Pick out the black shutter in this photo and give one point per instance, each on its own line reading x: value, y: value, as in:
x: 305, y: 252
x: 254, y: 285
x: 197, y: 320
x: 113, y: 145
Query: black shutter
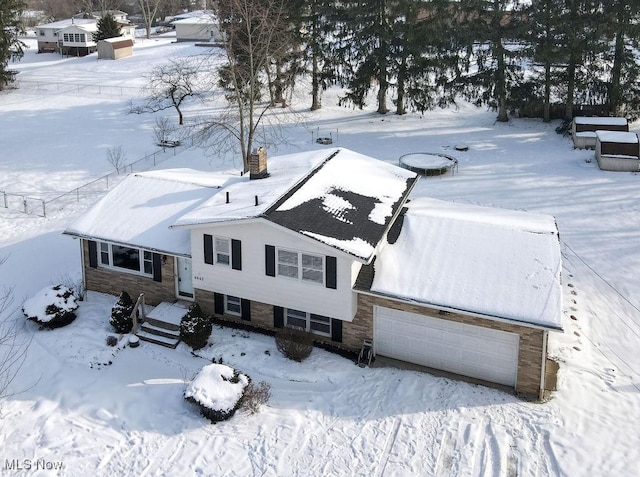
x: 336, y: 330
x: 236, y: 254
x: 93, y: 254
x: 332, y: 278
x: 270, y: 260
x: 245, y: 306
x: 157, y: 267
x: 278, y: 317
x: 208, y: 249
x: 218, y: 303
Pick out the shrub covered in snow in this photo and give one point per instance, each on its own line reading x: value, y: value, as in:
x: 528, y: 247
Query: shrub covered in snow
x: 294, y: 344
x: 121, y: 314
x: 51, y: 307
x: 195, y: 327
x: 217, y: 390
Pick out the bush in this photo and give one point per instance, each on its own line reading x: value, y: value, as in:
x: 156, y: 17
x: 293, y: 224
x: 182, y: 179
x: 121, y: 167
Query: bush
x: 294, y: 344
x: 255, y: 396
x: 121, y: 314
x: 112, y: 340
x: 195, y: 328
x: 218, y: 391
x: 51, y: 307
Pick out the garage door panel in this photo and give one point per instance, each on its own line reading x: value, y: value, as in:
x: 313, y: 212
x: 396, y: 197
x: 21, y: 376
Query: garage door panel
x: 455, y: 347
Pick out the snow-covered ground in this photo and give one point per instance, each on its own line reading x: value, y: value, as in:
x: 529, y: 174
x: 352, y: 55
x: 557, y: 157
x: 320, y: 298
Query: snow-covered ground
x: 120, y: 411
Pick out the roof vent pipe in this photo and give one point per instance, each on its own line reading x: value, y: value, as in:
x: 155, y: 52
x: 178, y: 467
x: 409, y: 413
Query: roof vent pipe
x: 227, y: 196
x: 256, y: 200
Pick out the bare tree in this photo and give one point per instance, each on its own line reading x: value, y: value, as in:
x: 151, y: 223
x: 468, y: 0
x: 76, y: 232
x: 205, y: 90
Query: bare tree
x: 163, y: 130
x: 117, y: 157
x: 257, y: 36
x: 171, y: 84
x: 13, y: 343
x: 149, y: 9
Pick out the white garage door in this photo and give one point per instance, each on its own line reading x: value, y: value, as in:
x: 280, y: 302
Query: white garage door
x: 458, y: 348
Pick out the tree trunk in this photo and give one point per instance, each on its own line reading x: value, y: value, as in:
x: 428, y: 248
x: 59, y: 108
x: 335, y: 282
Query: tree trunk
x: 547, y: 92
x: 501, y: 89
x: 382, y: 79
x: 315, y: 73
x: 615, y: 92
x: 402, y: 74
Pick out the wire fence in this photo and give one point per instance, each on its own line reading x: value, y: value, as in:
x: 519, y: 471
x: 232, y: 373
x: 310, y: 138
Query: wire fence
x: 94, y: 189
x: 45, y: 86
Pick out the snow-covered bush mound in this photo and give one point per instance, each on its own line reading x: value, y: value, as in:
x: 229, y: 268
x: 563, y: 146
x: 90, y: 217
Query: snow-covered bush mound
x: 121, y: 314
x: 51, y: 307
x: 195, y: 327
x: 217, y: 390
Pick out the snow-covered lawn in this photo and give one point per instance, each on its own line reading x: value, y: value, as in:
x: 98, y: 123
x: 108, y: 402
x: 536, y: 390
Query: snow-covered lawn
x: 326, y: 416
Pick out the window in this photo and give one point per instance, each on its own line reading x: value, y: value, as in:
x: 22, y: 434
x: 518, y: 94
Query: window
x: 127, y: 258
x: 41, y: 32
x: 310, y: 322
x: 223, y: 251
x: 287, y: 263
x: 232, y: 305
x: 301, y: 265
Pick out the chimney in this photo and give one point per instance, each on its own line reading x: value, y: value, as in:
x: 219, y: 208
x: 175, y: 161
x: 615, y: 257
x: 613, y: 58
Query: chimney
x: 258, y: 164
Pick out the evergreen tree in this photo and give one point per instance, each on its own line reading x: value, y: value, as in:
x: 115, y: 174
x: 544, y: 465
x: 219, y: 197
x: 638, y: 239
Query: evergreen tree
x: 490, y: 32
x: 11, y: 48
x: 107, y: 28
x: 365, y: 33
x: 621, y: 32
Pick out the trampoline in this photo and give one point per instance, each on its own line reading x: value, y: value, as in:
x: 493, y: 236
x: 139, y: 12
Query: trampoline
x: 429, y: 163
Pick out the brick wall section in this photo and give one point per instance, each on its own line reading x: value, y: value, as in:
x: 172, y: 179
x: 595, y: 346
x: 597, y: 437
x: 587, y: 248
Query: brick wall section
x: 531, y: 344
x: 113, y: 282
x: 531, y: 339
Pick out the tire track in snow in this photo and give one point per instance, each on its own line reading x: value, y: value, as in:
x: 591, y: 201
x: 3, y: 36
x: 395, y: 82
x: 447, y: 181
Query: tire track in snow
x: 384, y: 457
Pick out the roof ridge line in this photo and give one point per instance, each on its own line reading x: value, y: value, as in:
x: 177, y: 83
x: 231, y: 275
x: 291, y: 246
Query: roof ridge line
x: 296, y: 187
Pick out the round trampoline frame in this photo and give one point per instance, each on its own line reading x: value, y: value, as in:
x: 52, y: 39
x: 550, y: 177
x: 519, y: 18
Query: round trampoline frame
x: 434, y: 163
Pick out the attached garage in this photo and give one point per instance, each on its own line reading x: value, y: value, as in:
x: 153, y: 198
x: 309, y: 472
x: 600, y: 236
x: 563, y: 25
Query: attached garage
x: 468, y: 350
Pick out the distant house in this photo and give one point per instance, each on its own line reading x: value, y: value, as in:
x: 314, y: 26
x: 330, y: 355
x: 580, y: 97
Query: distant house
x: 328, y: 241
x: 115, y: 48
x: 74, y: 36
x: 197, y: 26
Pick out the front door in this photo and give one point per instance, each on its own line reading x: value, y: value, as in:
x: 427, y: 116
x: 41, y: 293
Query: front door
x: 185, y: 280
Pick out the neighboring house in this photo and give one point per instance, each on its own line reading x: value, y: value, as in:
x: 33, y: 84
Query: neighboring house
x: 202, y: 26
x: 74, y: 36
x: 115, y: 48
x: 329, y: 242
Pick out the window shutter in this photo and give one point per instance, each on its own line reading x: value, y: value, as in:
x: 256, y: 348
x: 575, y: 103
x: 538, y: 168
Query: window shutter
x: 245, y: 306
x: 157, y: 267
x: 336, y: 330
x: 278, y: 317
x: 218, y: 303
x: 270, y: 260
x: 93, y: 254
x: 331, y: 271
x: 236, y: 254
x: 208, y: 249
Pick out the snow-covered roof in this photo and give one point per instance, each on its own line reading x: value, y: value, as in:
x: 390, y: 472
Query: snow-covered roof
x: 68, y: 22
x: 140, y: 209
x: 341, y: 198
x: 481, y: 260
x: 617, y: 136
x: 600, y: 120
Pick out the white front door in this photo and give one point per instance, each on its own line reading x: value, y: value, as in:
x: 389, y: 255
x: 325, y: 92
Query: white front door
x: 185, y: 280
x: 483, y: 353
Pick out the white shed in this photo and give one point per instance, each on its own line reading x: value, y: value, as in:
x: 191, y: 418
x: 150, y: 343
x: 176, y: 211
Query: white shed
x: 198, y: 28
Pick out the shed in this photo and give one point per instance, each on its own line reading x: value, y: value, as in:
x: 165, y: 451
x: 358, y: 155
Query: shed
x: 617, y: 151
x: 115, y: 48
x: 198, y: 28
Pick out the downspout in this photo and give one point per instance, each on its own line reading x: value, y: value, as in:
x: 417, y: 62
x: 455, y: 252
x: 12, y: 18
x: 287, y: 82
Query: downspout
x: 82, y: 262
x: 545, y: 337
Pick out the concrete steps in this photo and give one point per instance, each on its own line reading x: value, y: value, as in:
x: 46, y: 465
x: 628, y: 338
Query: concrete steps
x: 162, y: 325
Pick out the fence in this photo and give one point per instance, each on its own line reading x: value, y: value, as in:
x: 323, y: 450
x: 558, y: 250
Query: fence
x: 36, y: 206
x: 76, y: 88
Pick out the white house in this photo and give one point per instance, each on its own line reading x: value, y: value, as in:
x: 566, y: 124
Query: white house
x: 329, y: 241
x: 198, y: 26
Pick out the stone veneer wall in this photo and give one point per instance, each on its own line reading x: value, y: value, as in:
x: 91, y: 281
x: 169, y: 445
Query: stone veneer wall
x: 531, y: 346
x: 106, y: 280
